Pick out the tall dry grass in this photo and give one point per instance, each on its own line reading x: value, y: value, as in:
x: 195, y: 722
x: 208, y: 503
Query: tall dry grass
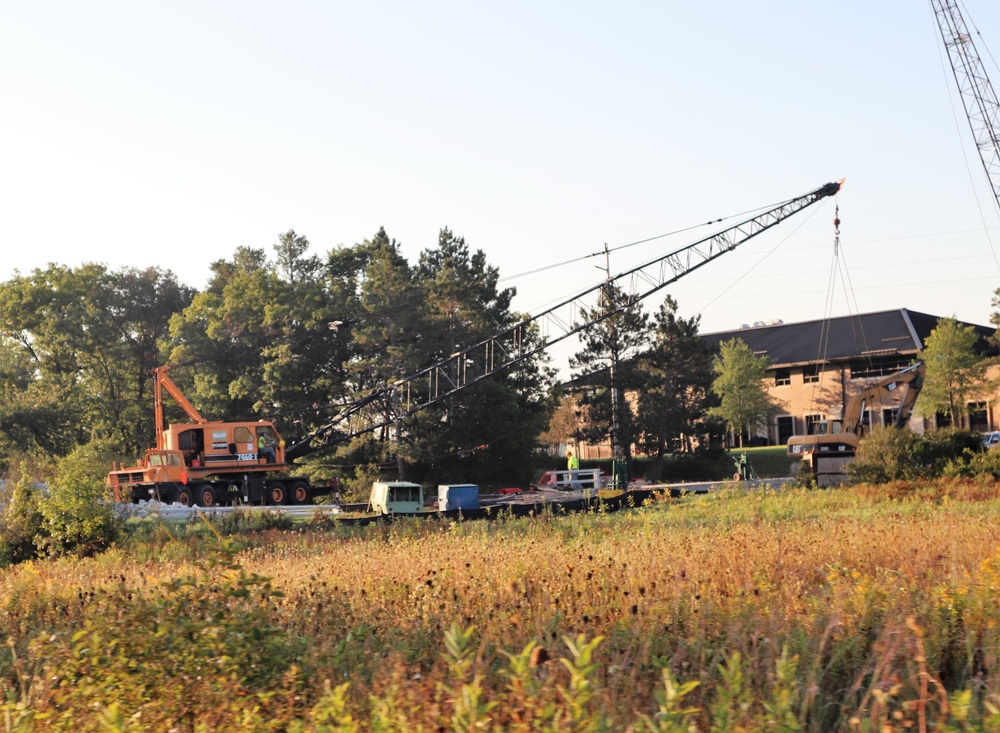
x: 856, y: 609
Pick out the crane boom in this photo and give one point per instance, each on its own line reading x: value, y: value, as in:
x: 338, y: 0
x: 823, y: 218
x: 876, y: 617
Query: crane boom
x: 162, y: 382
x: 435, y: 383
x: 978, y: 98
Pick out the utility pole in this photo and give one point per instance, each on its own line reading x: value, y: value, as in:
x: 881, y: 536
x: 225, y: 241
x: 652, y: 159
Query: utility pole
x: 619, y: 471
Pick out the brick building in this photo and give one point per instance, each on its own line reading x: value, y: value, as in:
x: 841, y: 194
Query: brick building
x: 819, y: 365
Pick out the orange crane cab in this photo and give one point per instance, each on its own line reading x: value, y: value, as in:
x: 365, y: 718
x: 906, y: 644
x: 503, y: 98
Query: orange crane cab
x: 209, y: 463
x: 210, y: 447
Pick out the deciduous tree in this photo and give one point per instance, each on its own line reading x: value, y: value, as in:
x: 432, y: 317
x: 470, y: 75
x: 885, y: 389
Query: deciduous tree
x: 745, y: 403
x: 90, y: 338
x: 258, y: 338
x: 955, y: 370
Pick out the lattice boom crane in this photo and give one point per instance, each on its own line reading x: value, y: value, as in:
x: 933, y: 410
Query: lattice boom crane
x: 978, y: 98
x: 389, y: 404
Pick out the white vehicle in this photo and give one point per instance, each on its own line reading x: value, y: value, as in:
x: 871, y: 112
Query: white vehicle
x: 991, y: 440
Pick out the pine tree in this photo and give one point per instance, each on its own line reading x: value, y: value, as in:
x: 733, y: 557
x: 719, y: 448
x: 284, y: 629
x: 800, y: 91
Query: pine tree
x: 607, y: 370
x: 677, y: 391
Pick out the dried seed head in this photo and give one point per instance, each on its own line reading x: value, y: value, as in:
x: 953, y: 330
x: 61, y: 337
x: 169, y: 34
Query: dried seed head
x: 539, y: 655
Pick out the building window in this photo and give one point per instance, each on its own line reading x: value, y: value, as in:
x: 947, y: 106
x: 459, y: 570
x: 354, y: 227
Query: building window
x: 878, y: 366
x: 810, y: 373
x: 782, y: 377
x: 785, y: 425
x: 813, y: 424
x: 889, y: 415
x: 978, y: 418
x: 942, y: 420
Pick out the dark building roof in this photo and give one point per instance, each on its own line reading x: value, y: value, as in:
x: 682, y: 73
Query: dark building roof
x: 868, y: 335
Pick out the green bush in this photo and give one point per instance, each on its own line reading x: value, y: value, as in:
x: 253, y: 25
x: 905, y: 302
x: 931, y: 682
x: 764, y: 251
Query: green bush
x: 894, y: 454
x: 22, y: 523
x: 887, y: 454
x: 943, y: 446
x: 984, y: 465
x: 78, y: 514
x: 200, y: 647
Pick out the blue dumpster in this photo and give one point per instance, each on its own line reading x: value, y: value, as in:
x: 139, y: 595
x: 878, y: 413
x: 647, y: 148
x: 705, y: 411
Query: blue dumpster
x: 458, y: 496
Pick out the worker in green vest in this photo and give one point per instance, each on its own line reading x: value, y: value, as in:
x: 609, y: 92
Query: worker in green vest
x: 265, y: 449
x: 572, y: 462
x: 572, y: 465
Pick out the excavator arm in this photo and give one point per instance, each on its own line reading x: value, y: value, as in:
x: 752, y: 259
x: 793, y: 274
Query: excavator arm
x: 910, y: 379
x: 825, y: 456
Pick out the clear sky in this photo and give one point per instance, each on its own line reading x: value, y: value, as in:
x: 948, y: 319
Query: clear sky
x: 169, y: 134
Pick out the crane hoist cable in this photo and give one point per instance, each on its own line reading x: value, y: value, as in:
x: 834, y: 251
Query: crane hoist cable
x: 838, y: 270
x: 838, y: 273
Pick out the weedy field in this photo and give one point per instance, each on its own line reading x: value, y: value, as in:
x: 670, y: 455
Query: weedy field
x: 867, y: 608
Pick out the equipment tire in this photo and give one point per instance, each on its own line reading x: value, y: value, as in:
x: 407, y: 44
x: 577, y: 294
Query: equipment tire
x: 298, y: 493
x: 206, y: 496
x: 277, y: 494
x: 185, y: 496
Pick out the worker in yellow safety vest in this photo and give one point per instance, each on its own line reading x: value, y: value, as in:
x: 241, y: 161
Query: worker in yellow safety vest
x: 572, y: 462
x: 264, y: 449
x: 572, y: 465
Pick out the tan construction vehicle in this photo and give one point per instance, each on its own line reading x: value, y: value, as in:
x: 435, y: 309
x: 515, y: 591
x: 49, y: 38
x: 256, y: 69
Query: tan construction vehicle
x: 832, y: 444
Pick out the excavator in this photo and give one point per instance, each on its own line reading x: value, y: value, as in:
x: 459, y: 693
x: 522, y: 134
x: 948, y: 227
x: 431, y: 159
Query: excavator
x: 832, y: 444
x: 209, y: 463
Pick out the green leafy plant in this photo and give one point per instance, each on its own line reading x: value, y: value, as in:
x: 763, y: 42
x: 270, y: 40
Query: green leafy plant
x: 471, y: 710
x: 731, y: 704
x: 580, y: 690
x: 673, y: 716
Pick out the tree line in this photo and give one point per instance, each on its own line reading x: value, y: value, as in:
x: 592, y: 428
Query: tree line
x: 292, y: 335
